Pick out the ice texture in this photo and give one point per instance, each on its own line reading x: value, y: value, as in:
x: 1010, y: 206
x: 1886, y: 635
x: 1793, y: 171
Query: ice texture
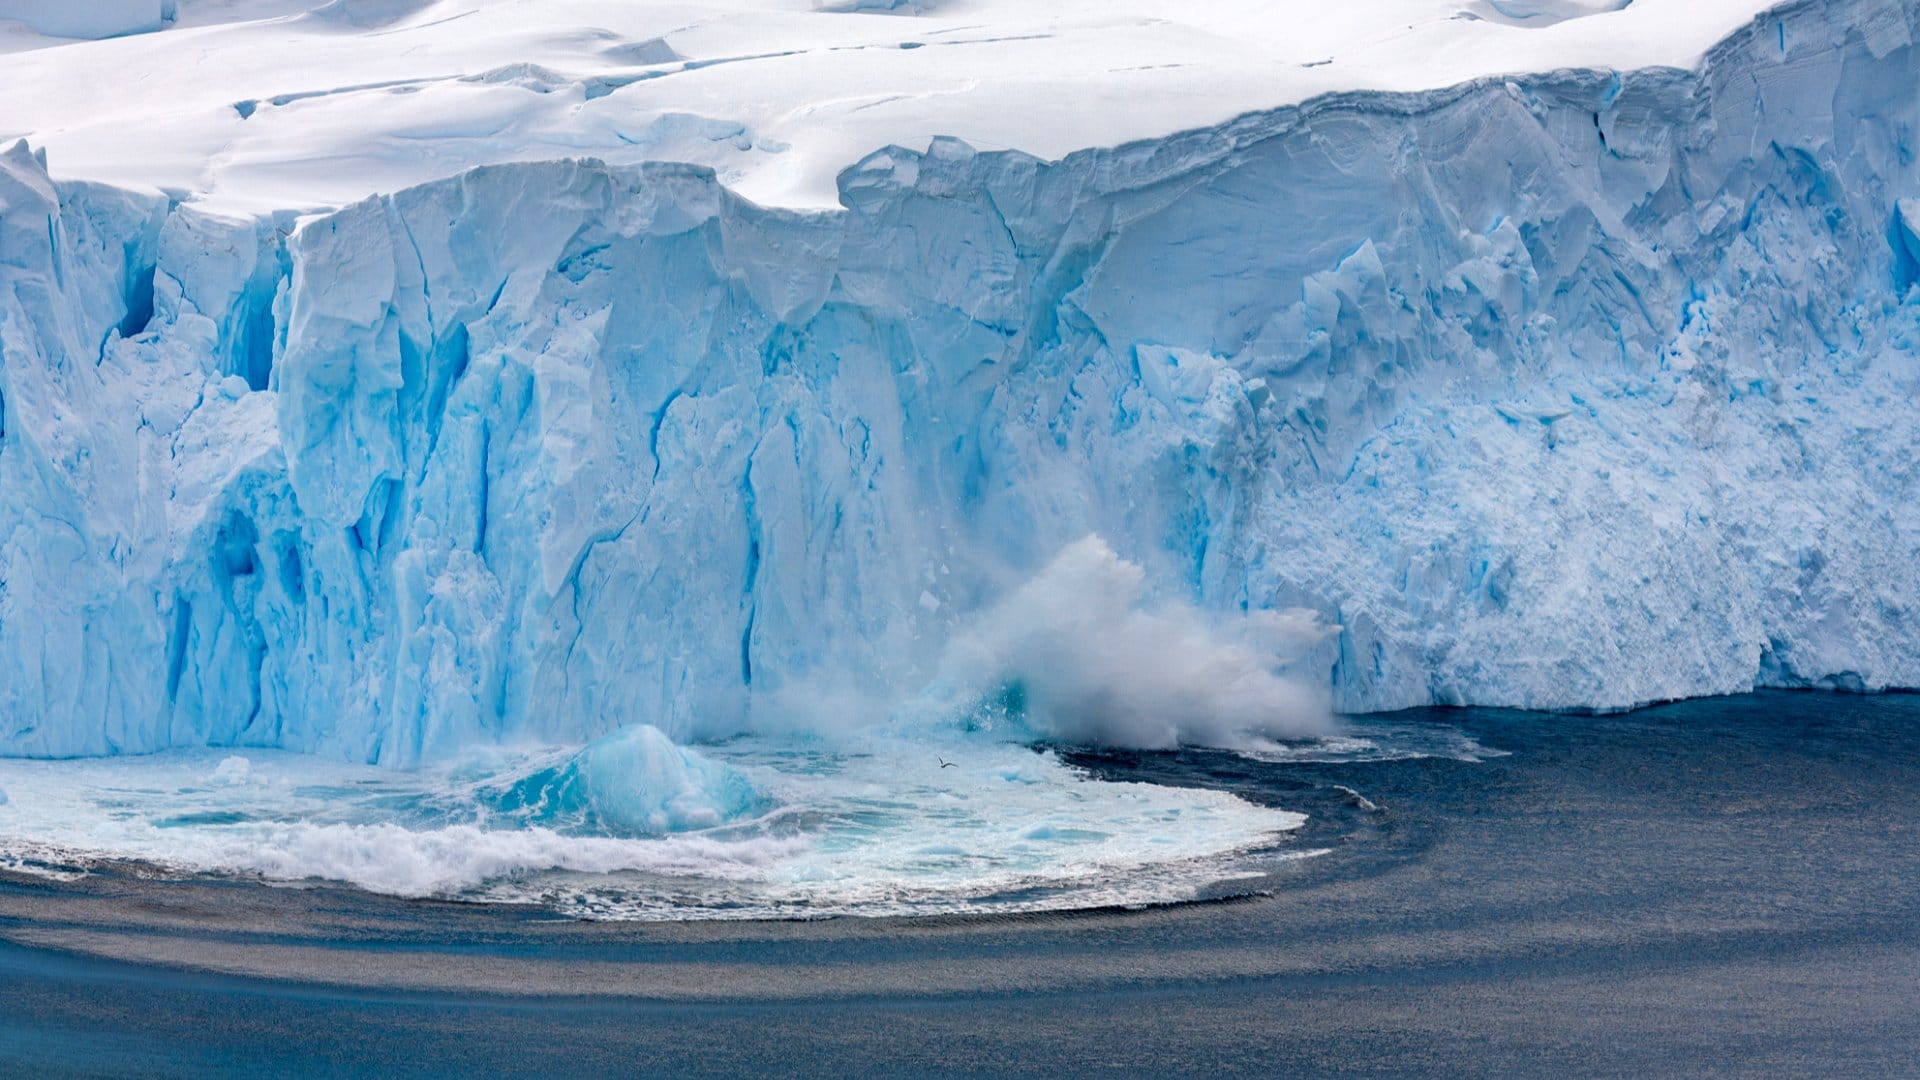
x: 1537, y: 13
x: 634, y: 782
x: 88, y: 18
x: 1575, y: 390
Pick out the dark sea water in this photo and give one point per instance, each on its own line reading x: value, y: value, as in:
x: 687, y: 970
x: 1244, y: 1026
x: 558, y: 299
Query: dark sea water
x: 1720, y: 887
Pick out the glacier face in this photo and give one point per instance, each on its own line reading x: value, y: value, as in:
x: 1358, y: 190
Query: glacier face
x: 1578, y: 390
x: 93, y: 19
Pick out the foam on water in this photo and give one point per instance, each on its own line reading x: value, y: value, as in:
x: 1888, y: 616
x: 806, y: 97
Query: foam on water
x: 880, y: 826
x: 1372, y: 739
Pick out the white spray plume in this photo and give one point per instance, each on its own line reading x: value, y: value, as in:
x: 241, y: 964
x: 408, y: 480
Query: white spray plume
x: 1095, y: 663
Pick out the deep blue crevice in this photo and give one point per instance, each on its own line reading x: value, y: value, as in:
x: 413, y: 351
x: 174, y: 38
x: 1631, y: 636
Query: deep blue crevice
x: 177, y: 645
x: 393, y: 515
x: 653, y: 430
x: 752, y: 576
x: 480, y: 498
x: 293, y: 579
x: 233, y: 546
x: 53, y: 246
x: 257, y: 333
x: 139, y: 302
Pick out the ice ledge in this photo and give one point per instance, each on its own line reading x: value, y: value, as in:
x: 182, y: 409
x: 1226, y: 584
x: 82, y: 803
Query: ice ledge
x: 88, y: 19
x: 267, y: 105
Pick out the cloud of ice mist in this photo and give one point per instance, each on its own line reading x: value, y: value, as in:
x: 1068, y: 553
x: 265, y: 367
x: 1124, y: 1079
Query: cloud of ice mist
x: 1081, y: 651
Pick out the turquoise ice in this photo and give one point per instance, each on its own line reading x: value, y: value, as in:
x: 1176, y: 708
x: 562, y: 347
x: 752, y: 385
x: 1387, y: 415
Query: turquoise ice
x: 1572, y: 390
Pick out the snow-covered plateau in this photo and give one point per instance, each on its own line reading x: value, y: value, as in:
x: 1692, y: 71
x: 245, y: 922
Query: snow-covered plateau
x: 885, y: 359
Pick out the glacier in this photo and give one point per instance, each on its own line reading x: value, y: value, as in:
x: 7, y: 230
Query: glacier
x: 1574, y: 390
x: 94, y: 19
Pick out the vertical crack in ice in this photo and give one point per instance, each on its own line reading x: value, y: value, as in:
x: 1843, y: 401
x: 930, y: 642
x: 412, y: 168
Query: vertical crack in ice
x: 750, y: 578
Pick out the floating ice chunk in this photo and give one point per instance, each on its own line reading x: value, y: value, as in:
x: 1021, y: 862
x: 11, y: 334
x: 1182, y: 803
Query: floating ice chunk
x: 634, y: 782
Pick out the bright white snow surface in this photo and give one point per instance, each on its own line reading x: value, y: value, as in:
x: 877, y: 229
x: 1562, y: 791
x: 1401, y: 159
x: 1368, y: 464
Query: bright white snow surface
x: 294, y: 104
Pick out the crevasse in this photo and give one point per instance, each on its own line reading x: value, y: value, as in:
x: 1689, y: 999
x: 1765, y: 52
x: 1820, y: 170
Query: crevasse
x: 1567, y: 391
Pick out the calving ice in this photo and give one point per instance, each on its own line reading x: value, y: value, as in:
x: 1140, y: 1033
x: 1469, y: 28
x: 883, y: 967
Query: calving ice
x: 572, y: 412
x: 544, y: 535
x: 545, y: 450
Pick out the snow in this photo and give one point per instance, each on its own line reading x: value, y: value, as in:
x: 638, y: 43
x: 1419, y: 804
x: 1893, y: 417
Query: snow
x: 262, y: 105
x: 1574, y: 390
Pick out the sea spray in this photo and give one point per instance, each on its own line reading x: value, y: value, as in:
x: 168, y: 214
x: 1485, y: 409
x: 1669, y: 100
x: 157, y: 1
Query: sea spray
x: 1081, y: 653
x: 634, y: 782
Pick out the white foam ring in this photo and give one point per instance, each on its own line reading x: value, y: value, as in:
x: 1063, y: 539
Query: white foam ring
x: 883, y: 828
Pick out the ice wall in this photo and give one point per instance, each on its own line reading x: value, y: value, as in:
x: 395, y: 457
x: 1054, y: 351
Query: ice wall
x: 88, y: 18
x: 1578, y: 390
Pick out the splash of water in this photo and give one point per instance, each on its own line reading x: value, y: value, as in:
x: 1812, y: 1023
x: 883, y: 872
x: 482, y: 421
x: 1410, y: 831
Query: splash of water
x: 893, y: 825
x: 866, y: 807
x: 1081, y: 654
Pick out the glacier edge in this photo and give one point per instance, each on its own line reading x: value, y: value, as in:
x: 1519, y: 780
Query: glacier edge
x: 1577, y: 390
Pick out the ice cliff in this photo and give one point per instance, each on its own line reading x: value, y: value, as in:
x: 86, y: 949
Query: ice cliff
x: 1570, y: 390
x: 88, y: 18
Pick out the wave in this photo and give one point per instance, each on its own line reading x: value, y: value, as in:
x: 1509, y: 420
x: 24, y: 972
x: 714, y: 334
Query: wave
x: 875, y: 825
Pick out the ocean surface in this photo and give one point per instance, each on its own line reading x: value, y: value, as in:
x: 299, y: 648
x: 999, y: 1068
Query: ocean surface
x: 1727, y: 886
